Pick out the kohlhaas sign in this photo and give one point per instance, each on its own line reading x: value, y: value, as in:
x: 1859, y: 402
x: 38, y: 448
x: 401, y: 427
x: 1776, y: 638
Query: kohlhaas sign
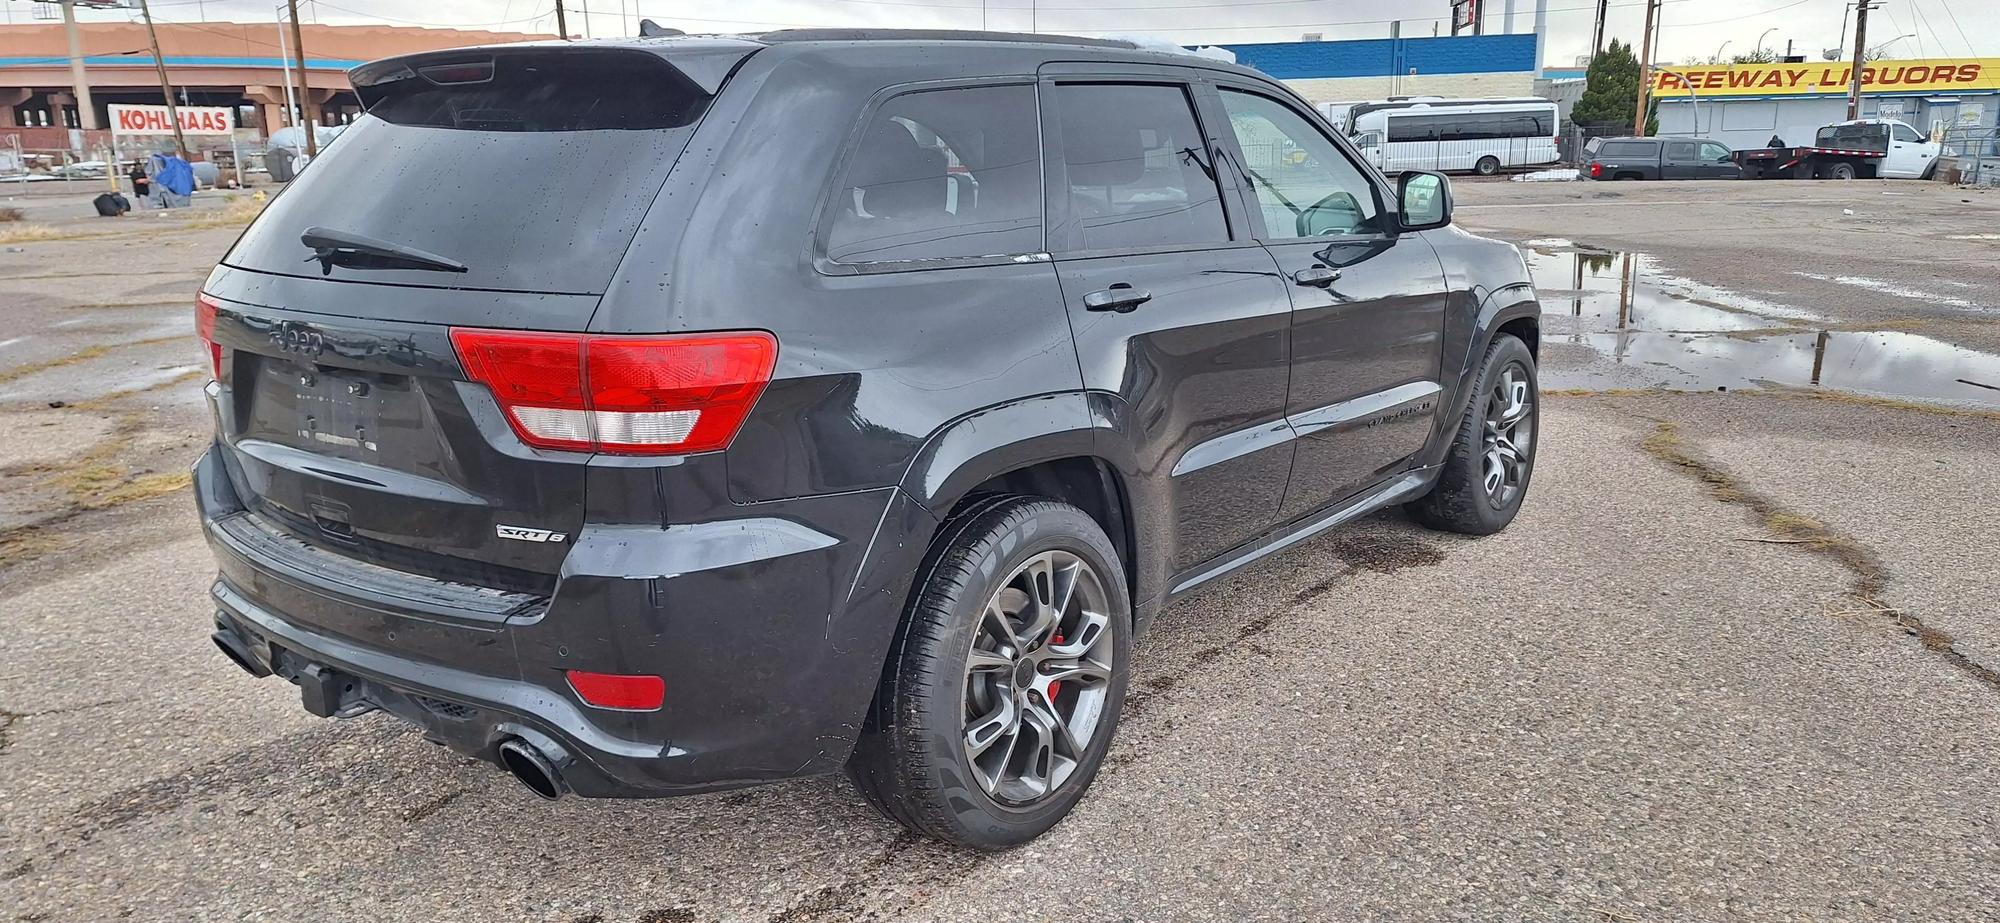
x: 1924, y: 75
x: 154, y: 120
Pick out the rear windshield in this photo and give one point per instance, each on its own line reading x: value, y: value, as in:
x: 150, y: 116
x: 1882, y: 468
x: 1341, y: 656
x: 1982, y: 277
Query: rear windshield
x: 1627, y: 149
x: 1854, y: 136
x: 531, y: 168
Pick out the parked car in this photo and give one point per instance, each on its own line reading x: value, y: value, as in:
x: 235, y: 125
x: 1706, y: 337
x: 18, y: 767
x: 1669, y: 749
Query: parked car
x: 1660, y: 158
x: 750, y: 442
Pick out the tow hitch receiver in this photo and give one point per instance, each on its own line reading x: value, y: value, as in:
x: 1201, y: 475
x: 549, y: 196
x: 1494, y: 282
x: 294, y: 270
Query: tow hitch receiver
x: 328, y: 693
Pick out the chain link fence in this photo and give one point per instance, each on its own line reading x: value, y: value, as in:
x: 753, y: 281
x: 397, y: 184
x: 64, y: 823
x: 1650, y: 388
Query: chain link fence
x: 1971, y: 156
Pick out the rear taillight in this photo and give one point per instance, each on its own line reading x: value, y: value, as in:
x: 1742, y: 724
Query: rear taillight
x: 624, y: 395
x: 1596, y: 170
x: 204, y: 327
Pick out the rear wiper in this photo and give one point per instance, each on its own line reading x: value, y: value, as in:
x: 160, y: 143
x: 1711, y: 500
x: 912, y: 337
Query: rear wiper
x: 349, y: 249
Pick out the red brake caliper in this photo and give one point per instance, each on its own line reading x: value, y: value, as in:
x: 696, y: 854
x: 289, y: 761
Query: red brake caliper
x: 1055, y: 687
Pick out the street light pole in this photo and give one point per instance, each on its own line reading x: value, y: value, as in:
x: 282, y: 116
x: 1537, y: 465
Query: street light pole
x: 1718, y: 50
x: 1860, y: 58
x: 1645, y: 69
x: 86, y: 112
x: 305, y: 99
x: 1760, y: 40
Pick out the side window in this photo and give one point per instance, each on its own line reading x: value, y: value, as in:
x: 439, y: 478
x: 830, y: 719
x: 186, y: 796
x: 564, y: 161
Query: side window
x: 943, y: 174
x: 1139, y: 168
x: 1714, y: 152
x: 1680, y: 150
x: 1412, y: 128
x: 1906, y: 133
x: 1305, y: 186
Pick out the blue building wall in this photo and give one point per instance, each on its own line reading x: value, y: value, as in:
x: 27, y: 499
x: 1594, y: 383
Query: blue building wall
x: 1463, y: 54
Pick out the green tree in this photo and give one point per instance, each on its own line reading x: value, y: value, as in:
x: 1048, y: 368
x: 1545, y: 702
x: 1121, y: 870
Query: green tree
x: 1611, y: 88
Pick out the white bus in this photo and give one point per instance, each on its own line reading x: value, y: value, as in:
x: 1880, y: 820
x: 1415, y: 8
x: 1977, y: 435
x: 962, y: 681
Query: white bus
x: 1484, y: 136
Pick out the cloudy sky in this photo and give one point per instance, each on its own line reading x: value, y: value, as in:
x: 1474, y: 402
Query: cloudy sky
x: 1693, y: 28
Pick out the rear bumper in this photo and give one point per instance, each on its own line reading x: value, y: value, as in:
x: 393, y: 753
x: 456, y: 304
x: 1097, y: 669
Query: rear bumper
x: 769, y: 633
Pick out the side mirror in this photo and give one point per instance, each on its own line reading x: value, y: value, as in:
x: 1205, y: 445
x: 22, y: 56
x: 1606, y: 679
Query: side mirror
x: 1424, y: 200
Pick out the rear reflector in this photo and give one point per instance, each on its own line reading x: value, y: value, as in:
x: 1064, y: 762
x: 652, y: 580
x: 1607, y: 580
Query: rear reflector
x: 204, y: 327
x: 619, y: 691
x: 623, y: 395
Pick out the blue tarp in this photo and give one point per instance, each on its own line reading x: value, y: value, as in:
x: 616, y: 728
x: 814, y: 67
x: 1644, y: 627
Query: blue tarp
x: 173, y: 174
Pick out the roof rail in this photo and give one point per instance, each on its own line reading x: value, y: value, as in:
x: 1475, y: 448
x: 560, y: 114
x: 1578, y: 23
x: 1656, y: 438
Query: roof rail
x: 934, y: 35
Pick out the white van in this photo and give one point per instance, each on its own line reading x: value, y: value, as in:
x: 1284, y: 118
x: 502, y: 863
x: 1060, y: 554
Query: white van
x: 1483, y: 136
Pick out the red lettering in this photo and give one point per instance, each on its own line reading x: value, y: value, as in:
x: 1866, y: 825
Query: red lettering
x: 1742, y: 79
x: 1884, y: 78
x: 1945, y: 73
x: 1711, y: 80
x: 1867, y: 76
x: 1918, y: 74
x: 1968, y: 73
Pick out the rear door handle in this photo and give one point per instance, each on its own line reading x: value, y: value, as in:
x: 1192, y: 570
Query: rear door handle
x: 1120, y: 297
x: 1316, y: 276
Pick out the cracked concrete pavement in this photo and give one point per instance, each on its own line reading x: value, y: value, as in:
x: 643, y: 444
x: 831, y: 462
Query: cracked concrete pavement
x: 1648, y: 700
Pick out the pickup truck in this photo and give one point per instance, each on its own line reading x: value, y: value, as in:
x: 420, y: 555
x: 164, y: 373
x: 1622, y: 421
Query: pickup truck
x: 1660, y: 158
x: 1858, y: 149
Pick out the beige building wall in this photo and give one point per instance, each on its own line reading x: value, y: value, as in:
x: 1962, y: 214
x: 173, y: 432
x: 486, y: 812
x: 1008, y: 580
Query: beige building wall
x: 1354, y: 89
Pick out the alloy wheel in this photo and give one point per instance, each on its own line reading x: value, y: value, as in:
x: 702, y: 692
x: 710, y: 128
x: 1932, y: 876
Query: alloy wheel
x: 1509, y: 435
x: 1037, y: 678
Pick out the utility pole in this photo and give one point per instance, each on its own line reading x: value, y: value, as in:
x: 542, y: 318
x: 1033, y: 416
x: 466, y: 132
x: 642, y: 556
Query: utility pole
x: 166, y: 89
x: 86, y: 113
x: 1860, y: 58
x: 1645, y: 69
x: 1597, y: 32
x: 562, y: 25
x: 305, y: 100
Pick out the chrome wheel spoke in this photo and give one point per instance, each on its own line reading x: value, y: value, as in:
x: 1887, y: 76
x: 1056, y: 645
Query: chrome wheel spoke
x: 988, y: 662
x: 1038, y: 677
x: 996, y: 725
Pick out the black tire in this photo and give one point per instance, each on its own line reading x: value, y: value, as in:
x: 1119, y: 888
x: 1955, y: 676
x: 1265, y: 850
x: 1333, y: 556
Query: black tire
x: 1840, y: 171
x: 911, y: 761
x: 1460, y: 500
x: 1487, y: 166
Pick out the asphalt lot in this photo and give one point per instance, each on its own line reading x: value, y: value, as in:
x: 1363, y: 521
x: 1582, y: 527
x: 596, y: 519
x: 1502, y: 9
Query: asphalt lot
x: 1734, y: 661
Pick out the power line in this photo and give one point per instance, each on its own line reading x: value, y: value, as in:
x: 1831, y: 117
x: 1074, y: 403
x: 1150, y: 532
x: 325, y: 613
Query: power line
x: 1961, y: 29
x: 1676, y: 25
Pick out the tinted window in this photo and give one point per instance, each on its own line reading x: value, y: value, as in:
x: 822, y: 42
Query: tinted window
x: 535, y: 178
x: 1627, y: 149
x: 1713, y: 151
x: 1304, y: 185
x: 943, y: 174
x: 1680, y: 150
x: 1412, y: 128
x: 1905, y: 133
x: 1139, y: 169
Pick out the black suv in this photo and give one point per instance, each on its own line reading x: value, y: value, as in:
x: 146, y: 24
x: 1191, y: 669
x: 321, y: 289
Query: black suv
x: 668, y: 415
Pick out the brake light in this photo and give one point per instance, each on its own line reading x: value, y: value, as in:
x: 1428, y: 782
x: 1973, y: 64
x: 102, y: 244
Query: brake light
x: 1596, y: 170
x: 619, y: 691
x: 204, y: 327
x: 623, y: 395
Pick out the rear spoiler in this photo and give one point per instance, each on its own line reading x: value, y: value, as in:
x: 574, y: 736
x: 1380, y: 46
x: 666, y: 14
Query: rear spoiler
x: 704, y: 62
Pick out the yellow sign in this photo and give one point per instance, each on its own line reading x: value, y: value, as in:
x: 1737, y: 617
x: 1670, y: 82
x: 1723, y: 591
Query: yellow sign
x: 1925, y: 75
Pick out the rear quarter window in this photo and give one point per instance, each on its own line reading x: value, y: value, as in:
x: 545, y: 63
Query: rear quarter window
x: 1627, y: 149
x: 942, y: 174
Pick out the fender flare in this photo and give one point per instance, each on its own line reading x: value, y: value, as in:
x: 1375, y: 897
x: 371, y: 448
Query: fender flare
x: 1509, y: 302
x: 994, y: 440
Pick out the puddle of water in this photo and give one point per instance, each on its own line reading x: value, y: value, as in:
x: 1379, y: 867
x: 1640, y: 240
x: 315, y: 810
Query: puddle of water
x: 1619, y: 320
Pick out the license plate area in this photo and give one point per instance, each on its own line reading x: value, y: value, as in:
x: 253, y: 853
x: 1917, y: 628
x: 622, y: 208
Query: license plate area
x: 329, y: 410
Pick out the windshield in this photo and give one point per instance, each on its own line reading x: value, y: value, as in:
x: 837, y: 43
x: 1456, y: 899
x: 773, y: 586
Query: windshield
x: 532, y: 169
